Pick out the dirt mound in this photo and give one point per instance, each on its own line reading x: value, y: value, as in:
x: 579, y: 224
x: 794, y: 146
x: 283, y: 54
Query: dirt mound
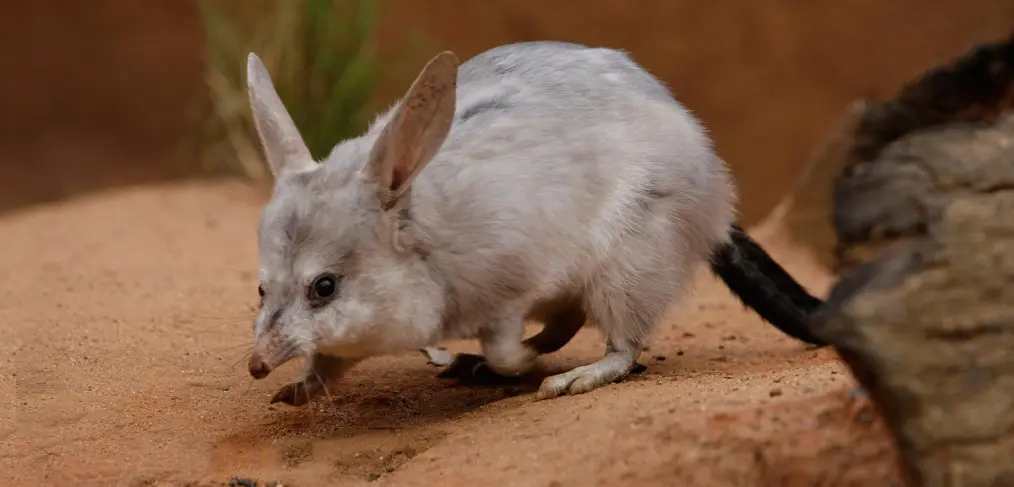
x: 130, y: 317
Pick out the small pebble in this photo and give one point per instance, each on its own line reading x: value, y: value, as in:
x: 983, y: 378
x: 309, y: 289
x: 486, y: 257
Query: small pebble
x: 775, y: 392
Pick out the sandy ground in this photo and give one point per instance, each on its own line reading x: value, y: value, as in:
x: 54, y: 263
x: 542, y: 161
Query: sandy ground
x: 126, y: 317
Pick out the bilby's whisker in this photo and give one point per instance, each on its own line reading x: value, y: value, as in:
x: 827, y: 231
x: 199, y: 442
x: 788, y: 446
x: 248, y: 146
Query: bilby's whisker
x: 323, y: 386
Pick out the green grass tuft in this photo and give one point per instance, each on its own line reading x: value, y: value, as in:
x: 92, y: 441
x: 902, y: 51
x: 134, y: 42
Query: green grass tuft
x: 322, y: 60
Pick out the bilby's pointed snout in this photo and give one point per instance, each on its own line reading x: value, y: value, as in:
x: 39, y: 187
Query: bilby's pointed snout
x: 258, y: 368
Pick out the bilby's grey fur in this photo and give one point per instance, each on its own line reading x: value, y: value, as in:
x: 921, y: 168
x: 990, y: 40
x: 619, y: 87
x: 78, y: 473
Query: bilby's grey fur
x: 562, y: 182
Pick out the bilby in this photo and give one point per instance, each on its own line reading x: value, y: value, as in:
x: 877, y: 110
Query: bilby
x: 543, y: 181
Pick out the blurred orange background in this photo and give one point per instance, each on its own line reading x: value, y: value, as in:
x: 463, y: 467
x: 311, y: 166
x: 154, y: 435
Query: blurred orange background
x: 95, y: 93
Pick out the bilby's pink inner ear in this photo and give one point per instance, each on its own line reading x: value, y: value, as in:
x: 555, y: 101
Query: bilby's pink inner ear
x: 417, y: 129
x: 283, y: 146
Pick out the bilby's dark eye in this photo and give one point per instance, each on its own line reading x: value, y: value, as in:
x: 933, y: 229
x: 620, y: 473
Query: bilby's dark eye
x: 260, y: 291
x: 324, y: 287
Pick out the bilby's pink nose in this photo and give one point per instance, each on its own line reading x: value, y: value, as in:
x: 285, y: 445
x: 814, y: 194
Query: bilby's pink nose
x: 258, y: 369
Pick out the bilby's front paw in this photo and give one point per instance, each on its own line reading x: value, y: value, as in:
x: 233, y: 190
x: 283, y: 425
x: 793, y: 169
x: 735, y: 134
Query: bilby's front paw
x: 298, y: 393
x: 321, y: 371
x: 292, y: 394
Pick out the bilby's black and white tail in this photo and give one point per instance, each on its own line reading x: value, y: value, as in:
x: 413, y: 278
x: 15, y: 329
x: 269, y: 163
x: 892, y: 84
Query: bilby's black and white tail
x: 763, y: 285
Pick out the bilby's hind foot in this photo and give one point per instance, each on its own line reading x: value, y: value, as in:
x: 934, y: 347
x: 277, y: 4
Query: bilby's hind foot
x: 616, y: 365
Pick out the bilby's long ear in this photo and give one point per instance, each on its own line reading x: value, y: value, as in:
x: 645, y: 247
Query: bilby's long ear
x: 416, y: 130
x: 284, y: 148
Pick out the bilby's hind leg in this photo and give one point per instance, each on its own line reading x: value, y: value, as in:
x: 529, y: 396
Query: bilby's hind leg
x: 506, y: 355
x: 560, y: 327
x: 626, y: 309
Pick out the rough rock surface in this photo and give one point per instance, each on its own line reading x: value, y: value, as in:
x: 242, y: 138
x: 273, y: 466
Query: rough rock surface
x: 924, y: 311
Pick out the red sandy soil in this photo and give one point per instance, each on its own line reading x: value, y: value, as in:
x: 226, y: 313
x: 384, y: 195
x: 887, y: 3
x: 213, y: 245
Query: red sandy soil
x: 127, y: 314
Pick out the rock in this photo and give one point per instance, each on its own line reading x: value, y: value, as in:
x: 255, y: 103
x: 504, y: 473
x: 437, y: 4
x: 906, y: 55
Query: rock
x: 923, y: 313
